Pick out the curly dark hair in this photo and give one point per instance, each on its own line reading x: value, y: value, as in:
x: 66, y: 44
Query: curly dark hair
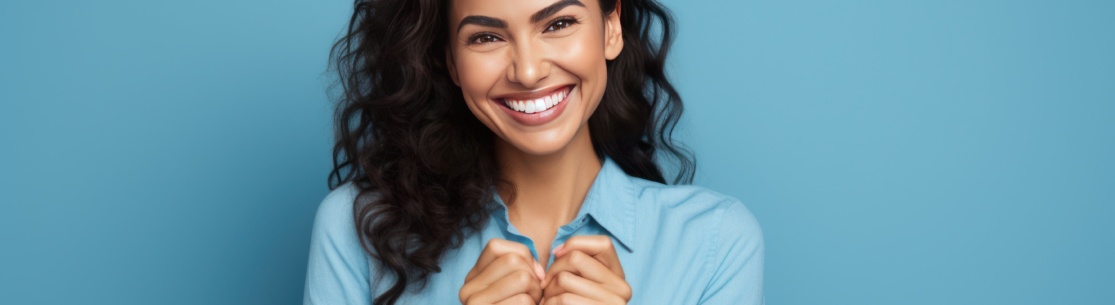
x: 425, y: 166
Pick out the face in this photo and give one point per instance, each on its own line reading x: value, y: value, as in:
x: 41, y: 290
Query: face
x: 533, y: 71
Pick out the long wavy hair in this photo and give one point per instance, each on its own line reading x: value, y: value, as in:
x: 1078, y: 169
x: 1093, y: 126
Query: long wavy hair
x: 425, y: 166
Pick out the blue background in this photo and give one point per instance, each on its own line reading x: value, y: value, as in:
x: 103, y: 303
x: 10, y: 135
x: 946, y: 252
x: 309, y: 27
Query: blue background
x: 895, y: 152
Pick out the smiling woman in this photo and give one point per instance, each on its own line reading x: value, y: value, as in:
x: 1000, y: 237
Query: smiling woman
x: 507, y: 152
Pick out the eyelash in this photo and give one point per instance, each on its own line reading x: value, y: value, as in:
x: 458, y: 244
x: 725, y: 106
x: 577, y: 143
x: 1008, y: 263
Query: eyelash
x: 567, y: 21
x: 475, y: 39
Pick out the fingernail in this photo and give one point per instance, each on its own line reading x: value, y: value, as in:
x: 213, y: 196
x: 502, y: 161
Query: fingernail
x: 538, y: 271
x: 557, y: 250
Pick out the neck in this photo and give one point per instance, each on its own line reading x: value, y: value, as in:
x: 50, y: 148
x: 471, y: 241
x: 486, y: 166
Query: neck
x: 549, y: 189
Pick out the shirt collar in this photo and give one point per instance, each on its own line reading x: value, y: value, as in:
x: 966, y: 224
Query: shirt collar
x: 610, y: 202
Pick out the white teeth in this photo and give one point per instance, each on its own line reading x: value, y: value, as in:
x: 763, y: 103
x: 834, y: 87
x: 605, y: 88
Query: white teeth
x: 530, y: 107
x: 536, y: 105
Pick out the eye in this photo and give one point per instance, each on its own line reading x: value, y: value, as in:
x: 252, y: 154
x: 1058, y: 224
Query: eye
x: 561, y: 23
x: 483, y: 38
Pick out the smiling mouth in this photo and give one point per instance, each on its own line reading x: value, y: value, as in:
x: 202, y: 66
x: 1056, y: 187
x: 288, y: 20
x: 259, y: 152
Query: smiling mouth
x: 538, y: 104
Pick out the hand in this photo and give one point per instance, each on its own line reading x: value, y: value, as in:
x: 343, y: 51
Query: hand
x: 586, y: 270
x: 505, y: 273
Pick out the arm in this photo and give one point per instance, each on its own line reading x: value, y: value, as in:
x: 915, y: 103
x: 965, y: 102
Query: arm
x: 337, y: 272
x: 738, y: 274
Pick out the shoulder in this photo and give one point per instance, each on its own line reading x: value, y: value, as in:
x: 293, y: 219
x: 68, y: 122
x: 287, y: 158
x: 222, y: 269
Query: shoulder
x: 336, y: 208
x: 338, y: 271
x: 726, y: 217
x: 728, y: 235
x: 693, y: 198
x: 334, y: 222
x: 338, y: 203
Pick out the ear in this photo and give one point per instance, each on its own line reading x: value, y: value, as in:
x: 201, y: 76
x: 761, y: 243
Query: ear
x: 452, y: 65
x: 613, y: 33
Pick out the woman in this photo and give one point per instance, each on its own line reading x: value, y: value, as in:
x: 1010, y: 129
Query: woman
x: 503, y: 152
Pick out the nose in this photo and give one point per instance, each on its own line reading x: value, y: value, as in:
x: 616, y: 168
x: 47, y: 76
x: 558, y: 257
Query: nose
x: 529, y: 65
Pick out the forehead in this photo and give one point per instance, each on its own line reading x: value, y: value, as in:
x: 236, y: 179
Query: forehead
x: 509, y: 10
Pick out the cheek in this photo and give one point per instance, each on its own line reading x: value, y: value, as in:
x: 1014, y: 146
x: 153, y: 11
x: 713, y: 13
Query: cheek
x: 584, y: 58
x: 580, y: 53
x: 478, y: 73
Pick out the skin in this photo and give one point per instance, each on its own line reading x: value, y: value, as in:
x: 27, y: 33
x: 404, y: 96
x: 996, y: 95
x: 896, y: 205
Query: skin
x: 551, y: 165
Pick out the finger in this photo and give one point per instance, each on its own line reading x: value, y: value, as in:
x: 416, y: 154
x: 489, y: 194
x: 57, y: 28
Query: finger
x: 568, y: 283
x: 582, y: 265
x: 515, y: 283
x: 568, y: 299
x: 499, y: 268
x: 518, y: 299
x: 495, y: 248
x: 589, y: 268
x: 597, y: 246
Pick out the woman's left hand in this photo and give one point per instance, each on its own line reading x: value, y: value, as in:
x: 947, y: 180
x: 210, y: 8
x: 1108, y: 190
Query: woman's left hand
x: 586, y: 270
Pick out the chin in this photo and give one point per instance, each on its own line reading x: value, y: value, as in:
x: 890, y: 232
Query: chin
x: 542, y: 142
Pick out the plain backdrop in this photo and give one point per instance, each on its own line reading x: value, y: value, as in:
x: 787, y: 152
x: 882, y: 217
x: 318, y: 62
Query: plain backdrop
x: 895, y: 152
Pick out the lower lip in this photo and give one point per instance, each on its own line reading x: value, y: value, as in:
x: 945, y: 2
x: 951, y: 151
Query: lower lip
x: 538, y: 118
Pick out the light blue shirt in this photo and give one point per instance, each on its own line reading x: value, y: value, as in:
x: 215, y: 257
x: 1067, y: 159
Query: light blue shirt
x: 676, y: 244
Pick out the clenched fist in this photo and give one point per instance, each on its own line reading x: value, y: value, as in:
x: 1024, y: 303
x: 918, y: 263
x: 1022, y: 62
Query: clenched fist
x: 586, y: 270
x: 505, y: 273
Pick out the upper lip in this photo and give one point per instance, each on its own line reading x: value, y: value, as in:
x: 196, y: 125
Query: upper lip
x: 539, y: 93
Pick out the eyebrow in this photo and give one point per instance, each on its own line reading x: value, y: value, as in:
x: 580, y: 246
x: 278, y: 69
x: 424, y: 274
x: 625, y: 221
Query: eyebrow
x: 482, y: 21
x: 553, y: 9
x: 535, y: 18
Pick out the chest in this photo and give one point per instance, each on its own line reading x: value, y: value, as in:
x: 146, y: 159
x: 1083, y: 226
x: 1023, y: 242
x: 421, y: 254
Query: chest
x: 543, y: 243
x: 660, y: 271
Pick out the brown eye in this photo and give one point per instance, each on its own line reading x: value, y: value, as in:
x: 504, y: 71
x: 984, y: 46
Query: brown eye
x: 483, y: 39
x: 560, y: 24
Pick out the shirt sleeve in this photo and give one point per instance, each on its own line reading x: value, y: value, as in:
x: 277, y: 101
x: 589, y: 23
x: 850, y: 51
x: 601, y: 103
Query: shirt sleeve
x: 738, y: 275
x: 337, y: 272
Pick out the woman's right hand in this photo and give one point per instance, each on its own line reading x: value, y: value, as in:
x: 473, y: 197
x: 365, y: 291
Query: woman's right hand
x: 505, y: 273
